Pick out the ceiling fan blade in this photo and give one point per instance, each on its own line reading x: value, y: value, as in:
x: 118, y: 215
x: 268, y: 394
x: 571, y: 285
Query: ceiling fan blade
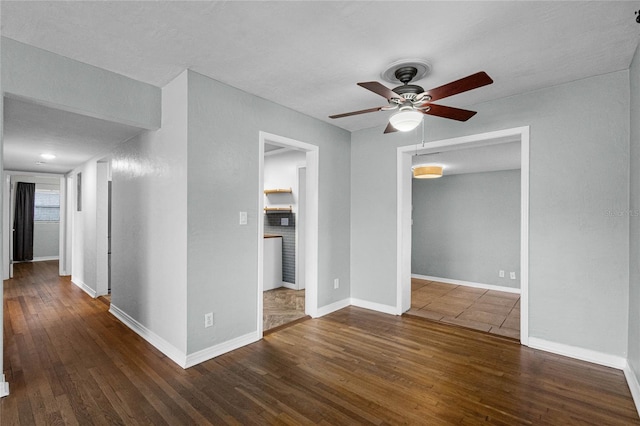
x: 473, y: 81
x: 449, y: 112
x: 380, y: 89
x: 362, y: 111
x: 390, y: 129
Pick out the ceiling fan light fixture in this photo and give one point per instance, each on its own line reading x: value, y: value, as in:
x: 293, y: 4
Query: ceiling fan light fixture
x: 427, y: 172
x: 406, y: 120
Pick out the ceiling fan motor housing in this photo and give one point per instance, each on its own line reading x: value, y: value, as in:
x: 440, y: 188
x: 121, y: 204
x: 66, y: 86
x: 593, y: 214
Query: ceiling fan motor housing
x: 405, y: 74
x: 408, y: 91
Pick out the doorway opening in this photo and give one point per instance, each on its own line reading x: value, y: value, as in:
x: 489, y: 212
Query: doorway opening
x: 287, y: 230
x: 405, y: 205
x: 48, y: 230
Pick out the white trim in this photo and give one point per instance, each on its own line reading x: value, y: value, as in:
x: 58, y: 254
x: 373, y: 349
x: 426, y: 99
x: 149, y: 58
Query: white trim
x: 173, y: 353
x: 4, y: 387
x: 378, y: 307
x: 403, y: 228
x: 289, y: 285
x: 582, y: 354
x: 91, y: 292
x: 467, y: 283
x: 44, y: 258
x: 404, y: 211
x: 524, y: 234
x: 217, y: 350
x: 335, y: 306
x: 634, y: 386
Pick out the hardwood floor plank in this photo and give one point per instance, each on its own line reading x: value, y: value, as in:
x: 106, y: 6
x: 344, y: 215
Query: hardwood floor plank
x: 70, y: 362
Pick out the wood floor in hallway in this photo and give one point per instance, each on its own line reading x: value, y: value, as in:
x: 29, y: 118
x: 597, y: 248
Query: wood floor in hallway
x: 68, y: 361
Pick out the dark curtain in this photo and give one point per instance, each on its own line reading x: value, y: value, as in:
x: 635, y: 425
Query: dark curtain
x: 23, y: 222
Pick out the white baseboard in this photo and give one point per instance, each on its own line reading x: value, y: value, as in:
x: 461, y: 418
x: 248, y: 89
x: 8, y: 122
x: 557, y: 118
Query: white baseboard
x: 173, y: 353
x: 379, y: 307
x: 582, y: 354
x: 217, y: 350
x: 45, y: 258
x: 289, y: 285
x: 335, y: 306
x: 634, y: 386
x: 91, y: 292
x: 467, y: 283
x: 4, y: 387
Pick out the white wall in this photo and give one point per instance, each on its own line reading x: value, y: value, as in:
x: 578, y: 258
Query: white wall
x: 579, y: 259
x: 83, y: 244
x: 281, y: 172
x: 149, y: 226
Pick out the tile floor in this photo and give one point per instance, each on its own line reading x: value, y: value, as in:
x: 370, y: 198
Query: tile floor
x: 491, y: 311
x: 281, y: 306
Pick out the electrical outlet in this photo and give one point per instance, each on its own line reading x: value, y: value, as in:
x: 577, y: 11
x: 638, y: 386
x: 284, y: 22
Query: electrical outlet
x: 501, y: 273
x: 512, y: 275
x: 208, y: 320
x: 243, y: 218
x: 284, y: 221
x: 336, y: 283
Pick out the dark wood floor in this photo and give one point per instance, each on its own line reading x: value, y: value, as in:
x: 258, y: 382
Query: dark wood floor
x: 68, y: 361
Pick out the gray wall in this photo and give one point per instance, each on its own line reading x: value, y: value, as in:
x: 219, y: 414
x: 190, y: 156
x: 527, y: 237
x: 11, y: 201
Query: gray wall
x: 224, y: 125
x: 579, y: 259
x: 50, y: 79
x: 46, y: 239
x: 634, y: 220
x: 149, y: 223
x: 467, y: 227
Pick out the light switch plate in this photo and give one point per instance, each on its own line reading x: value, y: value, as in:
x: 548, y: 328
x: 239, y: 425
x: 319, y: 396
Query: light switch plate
x: 243, y: 218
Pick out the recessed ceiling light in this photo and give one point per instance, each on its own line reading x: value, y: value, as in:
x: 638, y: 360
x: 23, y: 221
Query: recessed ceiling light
x: 48, y: 156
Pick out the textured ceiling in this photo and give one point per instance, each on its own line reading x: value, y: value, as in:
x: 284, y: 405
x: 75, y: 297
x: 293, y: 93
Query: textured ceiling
x: 308, y: 56
x: 31, y: 130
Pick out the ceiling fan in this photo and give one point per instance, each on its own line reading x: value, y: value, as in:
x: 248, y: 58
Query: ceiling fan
x: 412, y: 101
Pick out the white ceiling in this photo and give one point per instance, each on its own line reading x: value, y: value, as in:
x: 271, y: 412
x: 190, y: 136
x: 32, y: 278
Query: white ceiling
x: 308, y: 56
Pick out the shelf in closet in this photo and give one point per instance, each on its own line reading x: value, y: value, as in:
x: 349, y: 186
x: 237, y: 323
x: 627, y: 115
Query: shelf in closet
x: 278, y: 209
x: 278, y: 191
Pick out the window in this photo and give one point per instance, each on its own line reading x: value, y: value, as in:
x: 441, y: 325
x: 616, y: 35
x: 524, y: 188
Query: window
x: 47, y: 206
